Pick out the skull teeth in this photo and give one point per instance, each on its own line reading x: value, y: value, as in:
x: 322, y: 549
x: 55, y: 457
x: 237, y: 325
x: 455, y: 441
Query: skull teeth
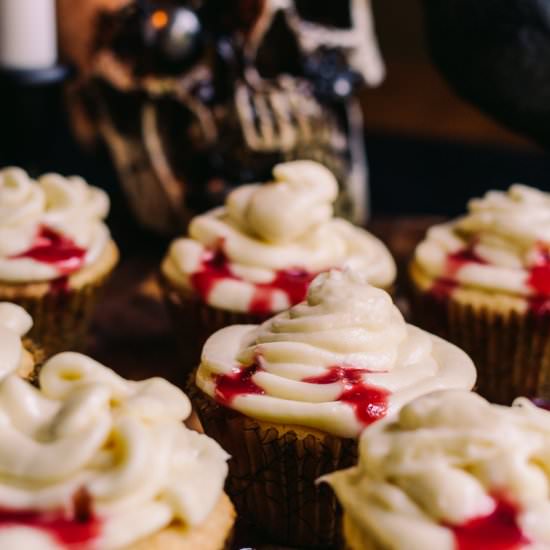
x: 281, y: 119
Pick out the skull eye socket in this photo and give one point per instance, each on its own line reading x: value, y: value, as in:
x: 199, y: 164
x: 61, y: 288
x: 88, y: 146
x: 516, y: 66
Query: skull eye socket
x: 163, y: 38
x: 328, y: 14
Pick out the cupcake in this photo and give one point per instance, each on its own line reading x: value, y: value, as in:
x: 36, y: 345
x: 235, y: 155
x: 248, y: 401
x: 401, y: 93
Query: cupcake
x: 95, y: 461
x: 289, y: 398
x: 55, y: 253
x: 483, y: 282
x: 257, y: 255
x: 452, y: 471
x: 18, y: 355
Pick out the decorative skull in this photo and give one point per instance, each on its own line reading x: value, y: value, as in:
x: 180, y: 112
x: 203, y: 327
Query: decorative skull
x: 194, y: 97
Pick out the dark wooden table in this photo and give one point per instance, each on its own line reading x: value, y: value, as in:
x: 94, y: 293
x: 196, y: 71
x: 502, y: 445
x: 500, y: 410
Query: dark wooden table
x: 131, y: 331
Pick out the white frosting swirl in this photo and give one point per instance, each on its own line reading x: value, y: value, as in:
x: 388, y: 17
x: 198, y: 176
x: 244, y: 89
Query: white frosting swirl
x: 283, y: 225
x: 443, y: 462
x: 123, y: 442
x: 67, y: 206
x: 347, y: 336
x: 507, y: 235
x: 15, y: 322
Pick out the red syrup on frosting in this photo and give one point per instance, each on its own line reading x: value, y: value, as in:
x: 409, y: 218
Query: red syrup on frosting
x: 239, y: 382
x: 52, y: 248
x: 539, y: 281
x: 75, y: 531
x: 497, y: 531
x: 215, y: 268
x: 444, y: 285
x: 370, y: 403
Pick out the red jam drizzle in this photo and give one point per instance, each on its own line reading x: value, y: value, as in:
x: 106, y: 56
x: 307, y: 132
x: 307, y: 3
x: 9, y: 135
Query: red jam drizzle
x: 60, y: 286
x: 539, y: 281
x: 370, y: 403
x: 69, y: 532
x: 444, y: 285
x: 239, y: 382
x: 497, y: 531
x: 538, y: 278
x: 215, y: 268
x: 49, y: 247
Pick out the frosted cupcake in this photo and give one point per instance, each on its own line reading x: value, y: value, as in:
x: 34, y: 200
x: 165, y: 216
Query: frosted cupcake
x: 257, y: 255
x: 483, y: 282
x: 55, y: 253
x: 451, y: 472
x: 288, y: 399
x: 18, y: 355
x: 95, y: 461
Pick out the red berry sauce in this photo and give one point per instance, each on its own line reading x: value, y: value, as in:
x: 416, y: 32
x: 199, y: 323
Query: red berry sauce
x: 69, y: 532
x: 239, y: 382
x: 497, y: 531
x: 539, y: 281
x: 215, y: 268
x: 444, y: 285
x: 52, y: 248
x: 370, y: 403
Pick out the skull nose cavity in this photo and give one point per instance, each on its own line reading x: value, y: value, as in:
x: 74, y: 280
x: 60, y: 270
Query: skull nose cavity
x: 279, y: 52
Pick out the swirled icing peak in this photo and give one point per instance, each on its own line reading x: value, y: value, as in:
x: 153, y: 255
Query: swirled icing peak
x: 100, y: 459
x: 344, y: 321
x: 259, y: 252
x: 521, y: 214
x: 300, y: 198
x: 453, y: 471
x: 337, y: 362
x: 49, y: 227
x: 502, y: 244
x: 15, y: 322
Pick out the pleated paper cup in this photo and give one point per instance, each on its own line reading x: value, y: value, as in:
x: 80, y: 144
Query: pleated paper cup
x: 508, y: 343
x: 61, y: 316
x: 32, y: 362
x: 273, y: 474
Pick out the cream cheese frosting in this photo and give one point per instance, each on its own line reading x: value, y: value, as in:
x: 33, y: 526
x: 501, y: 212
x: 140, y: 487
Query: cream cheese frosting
x: 336, y: 362
x: 33, y: 212
x: 502, y: 244
x: 15, y: 322
x: 268, y: 238
x: 452, y: 468
x: 120, y: 444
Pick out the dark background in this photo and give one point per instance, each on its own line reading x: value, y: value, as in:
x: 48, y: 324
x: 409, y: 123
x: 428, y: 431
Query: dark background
x: 428, y: 150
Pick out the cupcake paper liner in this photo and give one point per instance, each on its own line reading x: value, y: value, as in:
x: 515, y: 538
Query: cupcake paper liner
x: 273, y: 474
x: 194, y: 321
x: 511, y: 350
x: 60, y: 318
x: 38, y: 356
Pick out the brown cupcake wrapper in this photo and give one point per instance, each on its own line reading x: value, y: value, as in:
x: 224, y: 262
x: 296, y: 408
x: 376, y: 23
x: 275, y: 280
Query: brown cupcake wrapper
x: 38, y: 356
x: 60, y: 318
x: 273, y: 474
x: 193, y: 322
x: 511, y: 350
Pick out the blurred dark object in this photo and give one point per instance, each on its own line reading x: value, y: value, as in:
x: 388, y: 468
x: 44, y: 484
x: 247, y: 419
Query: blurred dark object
x: 32, y: 115
x: 196, y: 96
x: 495, y: 53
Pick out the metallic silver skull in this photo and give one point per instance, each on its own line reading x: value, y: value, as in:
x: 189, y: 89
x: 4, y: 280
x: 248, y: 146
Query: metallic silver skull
x: 257, y: 82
